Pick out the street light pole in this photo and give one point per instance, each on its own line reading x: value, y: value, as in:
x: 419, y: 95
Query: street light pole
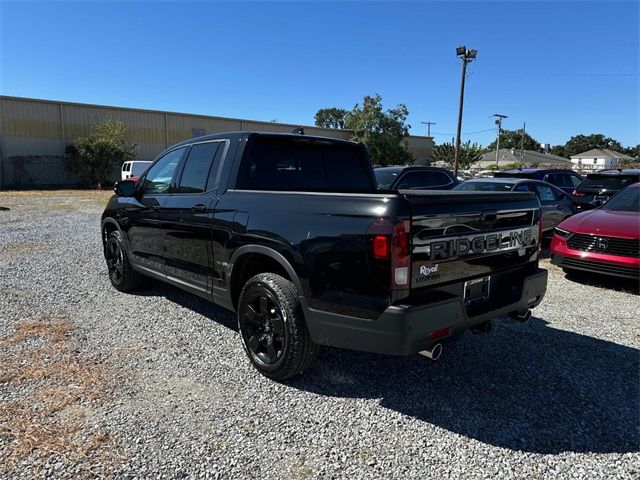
x: 467, y: 56
x: 499, y: 118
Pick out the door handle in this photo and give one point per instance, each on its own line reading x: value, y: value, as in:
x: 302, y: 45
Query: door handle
x: 199, y: 208
x: 559, y: 207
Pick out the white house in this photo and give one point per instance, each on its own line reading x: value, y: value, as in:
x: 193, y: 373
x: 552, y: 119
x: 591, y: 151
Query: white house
x: 597, y: 159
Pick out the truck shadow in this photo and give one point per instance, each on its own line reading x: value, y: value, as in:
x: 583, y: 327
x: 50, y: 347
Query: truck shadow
x: 524, y: 387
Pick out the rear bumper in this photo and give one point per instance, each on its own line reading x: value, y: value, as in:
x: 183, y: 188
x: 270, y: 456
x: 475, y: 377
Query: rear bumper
x: 404, y: 329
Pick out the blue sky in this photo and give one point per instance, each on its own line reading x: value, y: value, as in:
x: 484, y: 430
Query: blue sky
x: 564, y: 68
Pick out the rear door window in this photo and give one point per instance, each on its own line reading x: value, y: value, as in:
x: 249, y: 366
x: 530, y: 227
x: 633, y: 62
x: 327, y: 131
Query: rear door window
x: 545, y: 193
x: 196, y: 168
x: 574, y: 180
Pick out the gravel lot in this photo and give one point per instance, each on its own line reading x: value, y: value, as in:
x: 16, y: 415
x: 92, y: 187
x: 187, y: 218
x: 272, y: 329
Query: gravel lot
x: 175, y: 397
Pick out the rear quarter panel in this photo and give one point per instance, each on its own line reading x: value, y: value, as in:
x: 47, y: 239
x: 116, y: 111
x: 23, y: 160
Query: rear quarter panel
x: 323, y: 236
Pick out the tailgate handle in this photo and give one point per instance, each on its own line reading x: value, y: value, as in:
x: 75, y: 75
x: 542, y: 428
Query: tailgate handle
x: 489, y: 215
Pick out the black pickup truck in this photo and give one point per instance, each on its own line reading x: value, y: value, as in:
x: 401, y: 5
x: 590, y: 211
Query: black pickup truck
x: 291, y: 232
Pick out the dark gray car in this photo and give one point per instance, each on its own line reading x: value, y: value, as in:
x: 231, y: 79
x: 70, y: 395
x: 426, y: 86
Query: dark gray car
x: 556, y: 204
x: 416, y: 177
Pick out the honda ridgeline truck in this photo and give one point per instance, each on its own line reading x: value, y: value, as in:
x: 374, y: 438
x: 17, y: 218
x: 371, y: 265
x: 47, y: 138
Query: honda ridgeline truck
x: 291, y: 233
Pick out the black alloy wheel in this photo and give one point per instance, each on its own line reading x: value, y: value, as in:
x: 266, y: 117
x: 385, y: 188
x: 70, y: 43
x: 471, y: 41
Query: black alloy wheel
x: 273, y: 328
x: 264, y: 331
x: 121, y: 273
x: 115, y: 260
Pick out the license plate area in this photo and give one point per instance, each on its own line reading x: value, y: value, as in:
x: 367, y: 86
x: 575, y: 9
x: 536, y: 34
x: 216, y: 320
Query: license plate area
x: 476, y: 289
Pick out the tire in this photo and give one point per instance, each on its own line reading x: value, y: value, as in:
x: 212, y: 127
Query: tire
x: 123, y: 277
x: 272, y: 327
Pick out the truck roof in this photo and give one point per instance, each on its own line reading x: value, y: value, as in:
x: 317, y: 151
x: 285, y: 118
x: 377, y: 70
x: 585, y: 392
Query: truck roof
x: 245, y: 133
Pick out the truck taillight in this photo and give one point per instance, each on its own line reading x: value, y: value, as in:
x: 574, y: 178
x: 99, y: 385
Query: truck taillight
x: 400, y: 257
x: 539, y: 232
x: 389, y: 253
x: 381, y: 246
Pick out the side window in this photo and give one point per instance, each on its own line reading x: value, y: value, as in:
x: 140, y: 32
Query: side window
x: 436, y: 179
x: 524, y: 187
x: 212, y: 182
x: 410, y: 180
x: 554, y: 179
x: 545, y: 193
x: 158, y: 178
x: 574, y: 180
x: 196, y: 168
x: 424, y: 179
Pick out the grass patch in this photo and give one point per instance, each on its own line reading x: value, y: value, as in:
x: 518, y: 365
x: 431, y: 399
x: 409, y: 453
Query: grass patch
x: 57, y: 193
x: 53, y: 391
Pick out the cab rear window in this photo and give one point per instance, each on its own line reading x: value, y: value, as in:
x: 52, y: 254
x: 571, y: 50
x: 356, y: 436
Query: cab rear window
x: 286, y: 163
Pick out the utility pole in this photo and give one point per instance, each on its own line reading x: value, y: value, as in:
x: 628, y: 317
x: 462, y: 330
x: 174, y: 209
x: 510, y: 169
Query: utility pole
x: 524, y: 127
x: 428, y: 124
x: 499, y: 118
x: 467, y: 56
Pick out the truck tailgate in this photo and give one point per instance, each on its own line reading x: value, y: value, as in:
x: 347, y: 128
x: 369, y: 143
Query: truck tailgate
x: 464, y: 235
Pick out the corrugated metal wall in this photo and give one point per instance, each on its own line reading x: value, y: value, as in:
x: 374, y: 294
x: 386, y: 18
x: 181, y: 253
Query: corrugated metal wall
x: 34, y: 133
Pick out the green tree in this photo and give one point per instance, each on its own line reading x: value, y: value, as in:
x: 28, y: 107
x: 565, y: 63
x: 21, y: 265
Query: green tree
x: 583, y: 143
x: 559, y: 150
x: 633, y: 151
x: 95, y: 156
x: 469, y: 154
x: 331, y: 117
x: 513, y: 139
x: 382, y: 132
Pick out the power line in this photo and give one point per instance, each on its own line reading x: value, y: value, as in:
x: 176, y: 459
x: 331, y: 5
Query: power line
x: 468, y: 133
x: 563, y: 74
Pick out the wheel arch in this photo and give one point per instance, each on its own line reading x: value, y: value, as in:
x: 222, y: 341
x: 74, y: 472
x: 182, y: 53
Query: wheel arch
x: 108, y: 225
x: 250, y: 260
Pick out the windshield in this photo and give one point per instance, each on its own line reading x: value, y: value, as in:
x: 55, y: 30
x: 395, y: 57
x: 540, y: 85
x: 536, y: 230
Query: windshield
x: 608, y: 182
x: 628, y: 200
x: 485, y: 186
x: 386, y: 177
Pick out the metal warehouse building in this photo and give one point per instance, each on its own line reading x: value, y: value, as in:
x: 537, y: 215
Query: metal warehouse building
x: 34, y: 133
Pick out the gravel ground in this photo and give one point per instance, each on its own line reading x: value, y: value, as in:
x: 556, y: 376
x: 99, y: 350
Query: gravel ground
x: 558, y: 397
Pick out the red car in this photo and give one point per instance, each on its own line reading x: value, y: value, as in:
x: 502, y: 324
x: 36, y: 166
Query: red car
x: 605, y: 240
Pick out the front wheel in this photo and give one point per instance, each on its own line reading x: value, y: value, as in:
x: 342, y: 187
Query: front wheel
x: 274, y: 333
x: 122, y: 275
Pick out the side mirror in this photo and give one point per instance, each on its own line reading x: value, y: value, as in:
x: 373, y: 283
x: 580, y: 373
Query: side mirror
x: 125, y: 188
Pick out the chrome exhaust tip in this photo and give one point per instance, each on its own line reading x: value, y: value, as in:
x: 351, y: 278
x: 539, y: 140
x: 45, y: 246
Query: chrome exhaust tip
x: 434, y: 352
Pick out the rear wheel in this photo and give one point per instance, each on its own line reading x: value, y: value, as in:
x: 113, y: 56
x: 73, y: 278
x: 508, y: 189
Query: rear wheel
x: 122, y: 275
x: 272, y: 327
